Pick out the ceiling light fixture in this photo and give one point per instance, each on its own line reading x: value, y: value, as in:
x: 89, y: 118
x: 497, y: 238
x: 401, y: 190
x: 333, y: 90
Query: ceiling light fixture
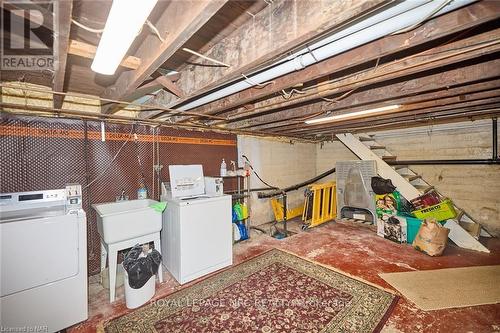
x: 352, y: 114
x: 124, y: 22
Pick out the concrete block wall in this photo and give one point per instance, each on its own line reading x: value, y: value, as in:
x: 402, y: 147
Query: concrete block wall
x: 473, y: 187
x: 328, y: 154
x: 280, y: 164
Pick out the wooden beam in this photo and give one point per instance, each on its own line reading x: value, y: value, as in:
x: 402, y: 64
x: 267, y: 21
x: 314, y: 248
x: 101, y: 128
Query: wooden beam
x: 85, y: 50
x: 182, y: 19
x: 170, y: 86
x: 465, y: 114
x: 271, y: 33
x: 394, y: 70
x: 458, y: 20
x: 152, y: 86
x: 63, y: 11
x: 438, y: 85
x: 445, y: 93
x: 425, y: 109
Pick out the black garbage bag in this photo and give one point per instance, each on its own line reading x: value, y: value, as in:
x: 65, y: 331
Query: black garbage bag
x: 140, y: 269
x: 382, y: 186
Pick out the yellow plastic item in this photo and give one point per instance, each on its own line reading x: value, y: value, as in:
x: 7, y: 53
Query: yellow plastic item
x: 244, y: 210
x: 324, y: 205
x: 290, y: 213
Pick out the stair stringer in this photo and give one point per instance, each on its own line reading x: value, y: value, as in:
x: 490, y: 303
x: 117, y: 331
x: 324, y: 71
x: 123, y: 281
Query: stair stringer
x: 457, y: 234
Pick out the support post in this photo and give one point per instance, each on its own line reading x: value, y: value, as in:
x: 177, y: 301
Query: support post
x: 495, y: 139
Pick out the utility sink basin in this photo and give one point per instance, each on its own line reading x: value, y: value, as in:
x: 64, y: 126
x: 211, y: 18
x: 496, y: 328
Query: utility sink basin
x: 124, y: 220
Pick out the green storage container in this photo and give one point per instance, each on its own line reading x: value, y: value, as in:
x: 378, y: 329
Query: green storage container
x: 412, y: 227
x: 441, y: 212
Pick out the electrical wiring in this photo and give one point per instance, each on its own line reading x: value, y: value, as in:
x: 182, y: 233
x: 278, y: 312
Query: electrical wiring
x: 83, y: 26
x: 257, y: 175
x: 287, y: 95
x: 253, y: 83
x: 416, y: 25
x: 205, y: 57
x: 113, y: 160
x: 157, y: 33
x: 154, y: 30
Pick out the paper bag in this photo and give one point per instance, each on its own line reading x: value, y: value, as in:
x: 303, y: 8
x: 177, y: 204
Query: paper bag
x: 431, y: 238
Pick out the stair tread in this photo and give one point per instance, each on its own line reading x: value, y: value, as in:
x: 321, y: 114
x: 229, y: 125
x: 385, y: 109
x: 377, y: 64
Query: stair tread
x: 369, y: 142
x: 411, y: 177
x: 424, y: 188
x: 472, y: 227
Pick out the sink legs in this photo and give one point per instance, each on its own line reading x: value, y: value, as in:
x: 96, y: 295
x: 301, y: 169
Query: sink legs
x: 112, y: 257
x: 158, y: 248
x: 111, y: 252
x: 104, y: 257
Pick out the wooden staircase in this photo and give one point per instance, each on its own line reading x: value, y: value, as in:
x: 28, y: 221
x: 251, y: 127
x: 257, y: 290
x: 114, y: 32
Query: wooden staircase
x: 464, y: 231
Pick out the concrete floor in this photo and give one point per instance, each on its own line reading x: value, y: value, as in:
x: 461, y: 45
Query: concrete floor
x: 353, y: 248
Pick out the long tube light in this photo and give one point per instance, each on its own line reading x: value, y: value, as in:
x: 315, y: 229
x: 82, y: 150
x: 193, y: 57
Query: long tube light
x: 352, y: 114
x: 124, y: 22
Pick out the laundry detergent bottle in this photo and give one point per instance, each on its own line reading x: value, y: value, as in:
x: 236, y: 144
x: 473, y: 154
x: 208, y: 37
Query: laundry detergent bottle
x: 223, y: 168
x: 142, y: 192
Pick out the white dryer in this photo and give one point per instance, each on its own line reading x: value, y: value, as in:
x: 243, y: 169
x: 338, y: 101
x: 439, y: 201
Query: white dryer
x: 43, y: 260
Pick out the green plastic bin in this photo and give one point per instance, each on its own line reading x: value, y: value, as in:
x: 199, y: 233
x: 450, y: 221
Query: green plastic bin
x: 441, y: 212
x: 412, y: 227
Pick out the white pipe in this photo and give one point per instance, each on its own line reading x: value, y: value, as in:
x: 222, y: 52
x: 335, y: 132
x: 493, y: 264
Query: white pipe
x: 393, y: 19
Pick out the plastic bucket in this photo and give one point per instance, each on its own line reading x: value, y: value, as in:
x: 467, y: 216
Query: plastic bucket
x: 137, y: 297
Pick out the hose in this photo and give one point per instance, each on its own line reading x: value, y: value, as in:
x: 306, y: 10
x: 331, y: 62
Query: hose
x: 295, y: 187
x: 257, y: 175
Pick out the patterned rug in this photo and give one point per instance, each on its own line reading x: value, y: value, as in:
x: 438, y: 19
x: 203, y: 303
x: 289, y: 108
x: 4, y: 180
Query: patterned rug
x: 274, y: 292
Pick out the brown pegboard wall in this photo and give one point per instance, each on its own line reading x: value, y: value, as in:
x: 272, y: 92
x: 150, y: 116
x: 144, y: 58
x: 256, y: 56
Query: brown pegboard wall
x: 43, y: 153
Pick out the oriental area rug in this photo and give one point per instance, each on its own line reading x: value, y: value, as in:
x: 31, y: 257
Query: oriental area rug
x: 274, y: 292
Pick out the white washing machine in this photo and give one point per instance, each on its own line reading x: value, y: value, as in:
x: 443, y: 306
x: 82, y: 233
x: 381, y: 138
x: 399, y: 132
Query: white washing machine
x: 196, y: 237
x: 43, y: 260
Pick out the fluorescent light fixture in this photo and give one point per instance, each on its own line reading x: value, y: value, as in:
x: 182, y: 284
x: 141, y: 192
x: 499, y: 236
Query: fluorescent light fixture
x: 352, y: 115
x: 124, y: 22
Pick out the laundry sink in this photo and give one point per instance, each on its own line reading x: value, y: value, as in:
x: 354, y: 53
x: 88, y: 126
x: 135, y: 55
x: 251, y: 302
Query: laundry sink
x: 124, y: 220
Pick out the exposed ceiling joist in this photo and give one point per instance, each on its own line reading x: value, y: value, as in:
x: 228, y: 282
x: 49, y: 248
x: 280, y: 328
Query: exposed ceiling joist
x: 85, y: 50
x: 272, y: 33
x: 459, y: 20
x: 422, y: 89
x: 179, y: 22
x: 409, y: 91
x: 412, y: 110
x: 394, y: 70
x: 468, y: 114
x: 62, y: 11
x: 170, y: 86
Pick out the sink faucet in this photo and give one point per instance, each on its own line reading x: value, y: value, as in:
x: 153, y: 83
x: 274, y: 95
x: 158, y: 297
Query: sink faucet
x: 122, y: 196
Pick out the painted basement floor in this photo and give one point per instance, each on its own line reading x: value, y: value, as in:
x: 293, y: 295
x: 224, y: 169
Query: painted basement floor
x: 355, y: 249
